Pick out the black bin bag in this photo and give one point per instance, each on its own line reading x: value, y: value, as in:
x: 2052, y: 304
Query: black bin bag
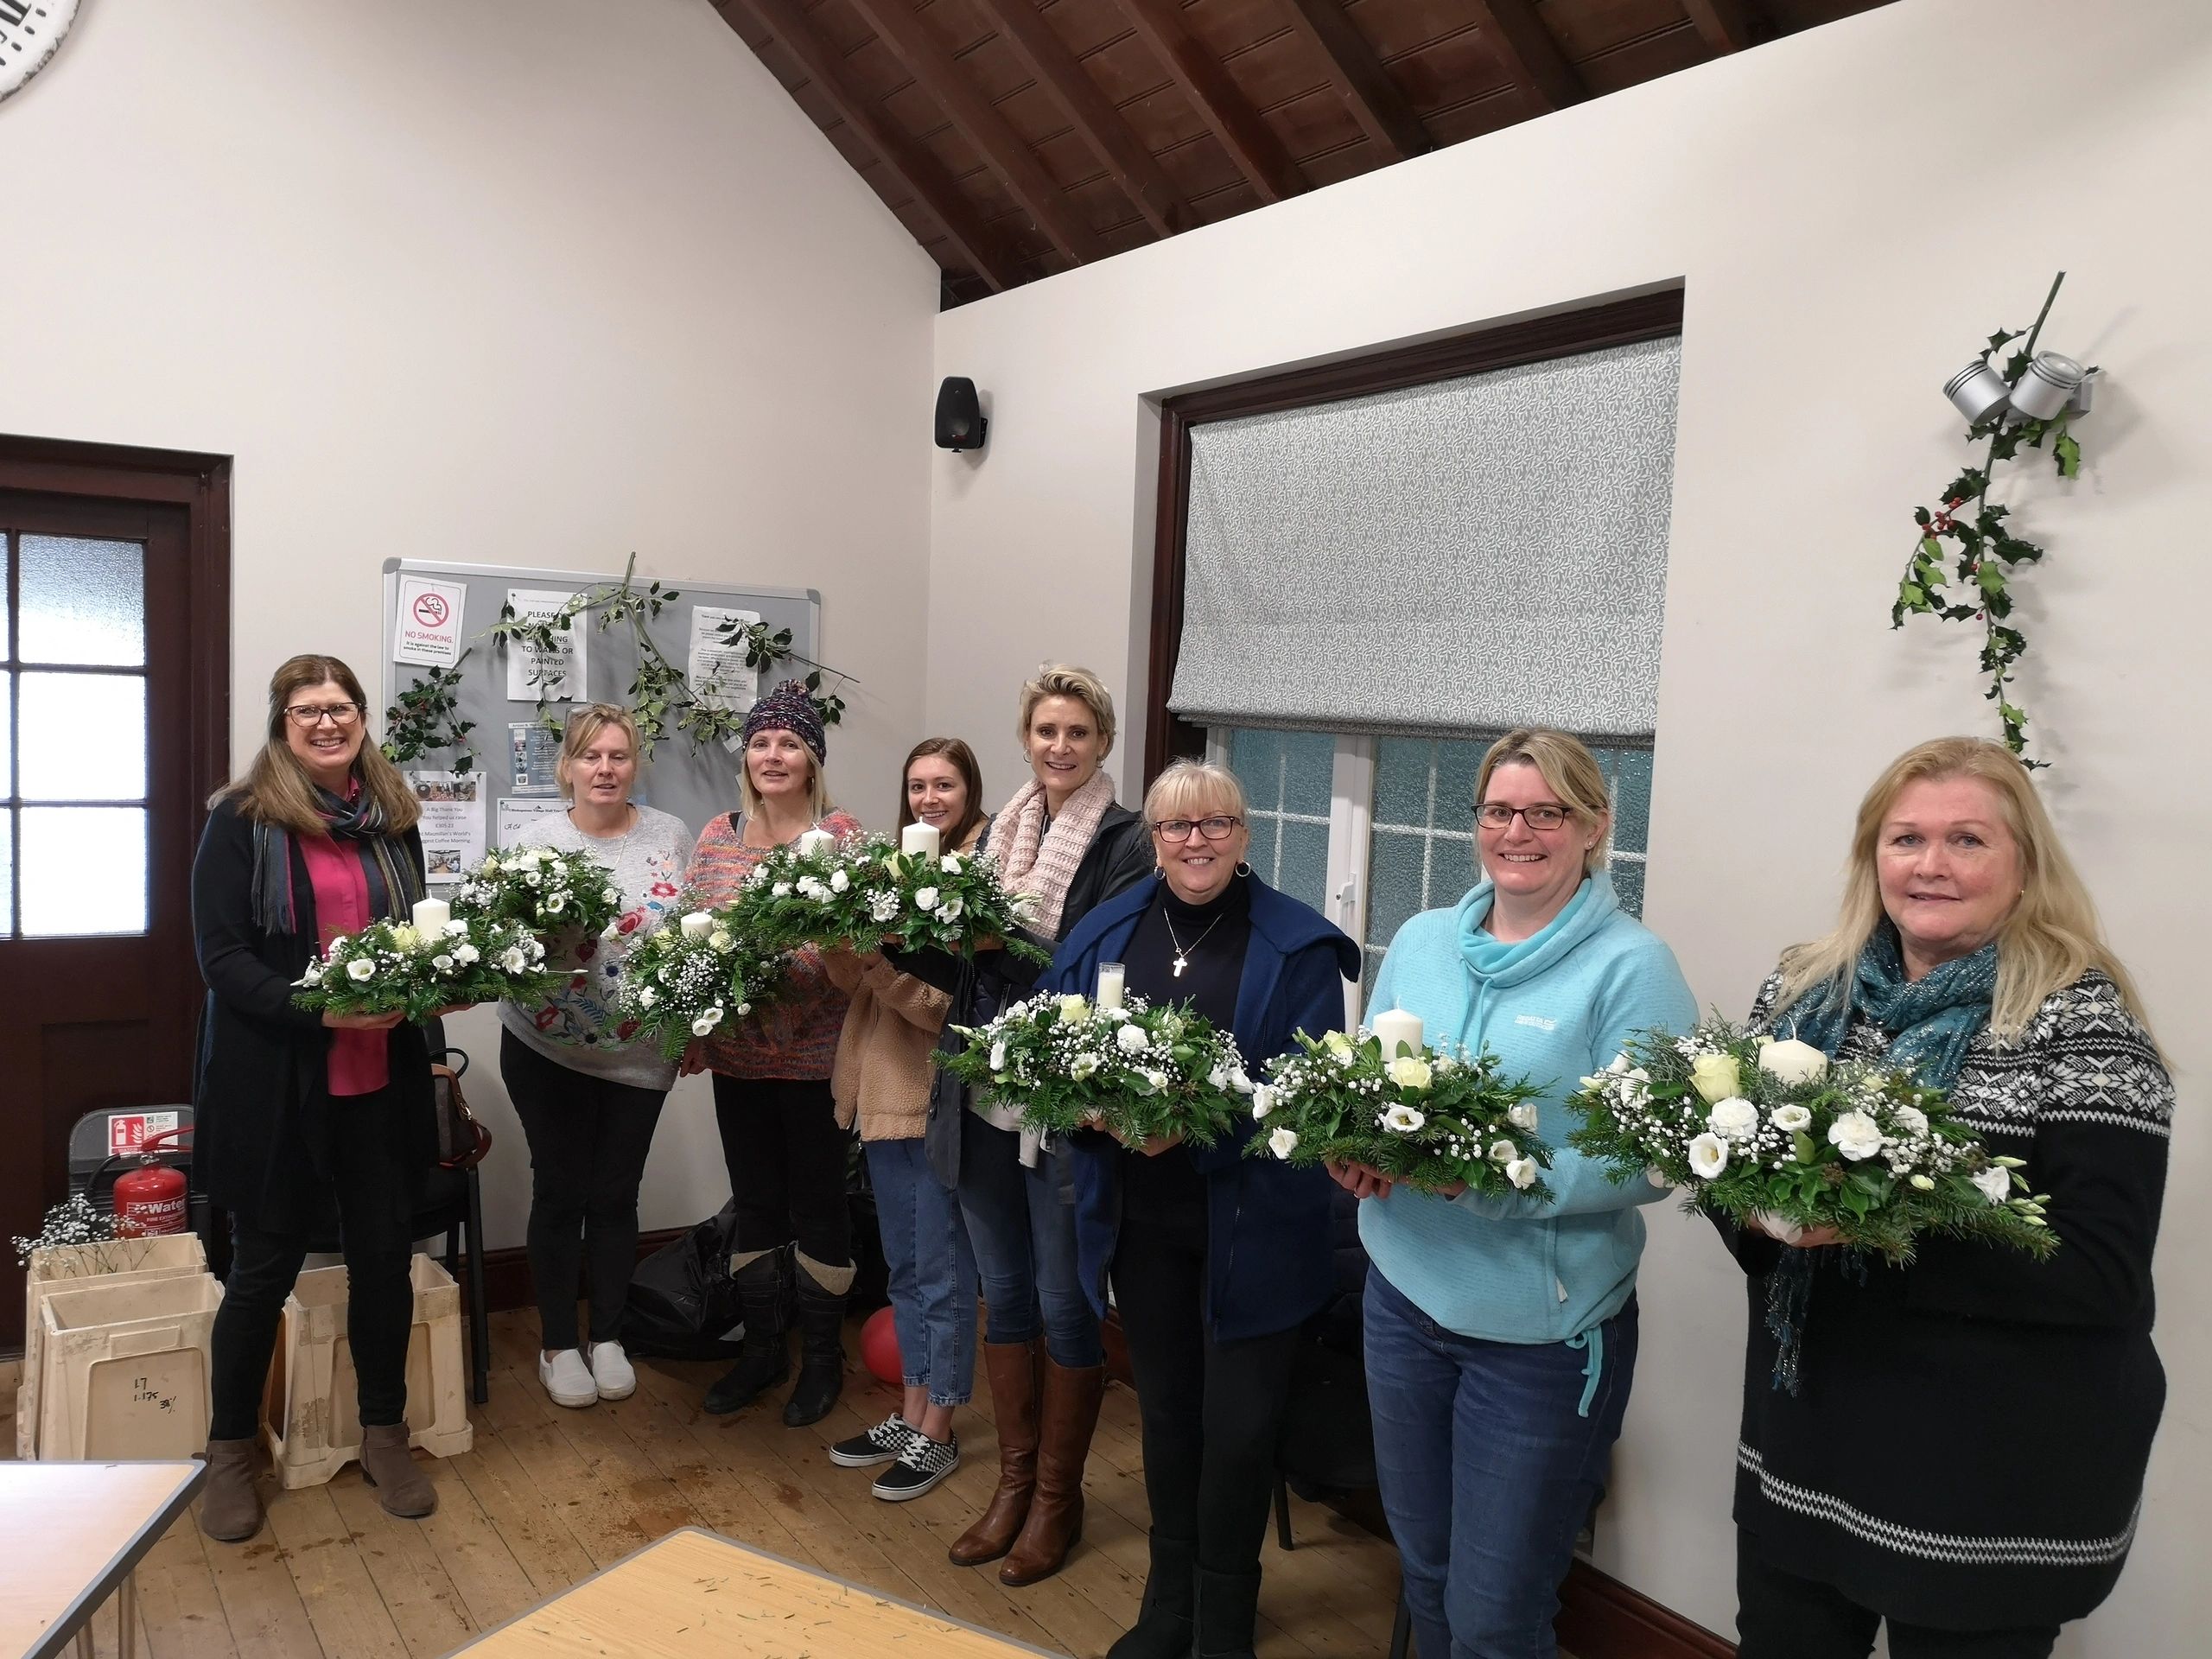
x: 683, y: 1302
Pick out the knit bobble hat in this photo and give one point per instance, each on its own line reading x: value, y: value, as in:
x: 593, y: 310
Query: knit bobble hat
x: 788, y: 708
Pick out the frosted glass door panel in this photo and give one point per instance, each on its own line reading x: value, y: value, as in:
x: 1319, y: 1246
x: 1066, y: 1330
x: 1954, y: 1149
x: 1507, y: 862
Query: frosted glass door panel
x: 83, y: 601
x: 83, y: 737
x: 7, y: 875
x: 84, y: 870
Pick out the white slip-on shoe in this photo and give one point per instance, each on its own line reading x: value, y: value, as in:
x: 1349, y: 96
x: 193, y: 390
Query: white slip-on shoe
x: 567, y: 1380
x: 610, y: 1370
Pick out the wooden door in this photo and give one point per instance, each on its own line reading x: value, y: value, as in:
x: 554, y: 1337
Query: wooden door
x: 104, y: 767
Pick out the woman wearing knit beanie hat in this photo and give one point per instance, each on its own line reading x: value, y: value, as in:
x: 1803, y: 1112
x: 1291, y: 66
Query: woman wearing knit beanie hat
x: 780, y: 1136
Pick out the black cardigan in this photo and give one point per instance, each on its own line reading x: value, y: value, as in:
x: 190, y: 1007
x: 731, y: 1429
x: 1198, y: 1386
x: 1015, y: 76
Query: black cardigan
x: 261, y: 1090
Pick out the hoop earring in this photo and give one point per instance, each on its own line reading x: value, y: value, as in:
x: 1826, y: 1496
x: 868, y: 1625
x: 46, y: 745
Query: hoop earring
x: 1243, y: 868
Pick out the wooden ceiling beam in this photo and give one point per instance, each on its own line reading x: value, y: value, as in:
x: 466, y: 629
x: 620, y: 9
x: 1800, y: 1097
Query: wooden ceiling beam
x: 1003, y: 150
x: 1135, y: 169
x: 1385, y: 114
x: 911, y: 164
x: 1725, y: 25
x: 1530, y: 54
x: 1220, y: 103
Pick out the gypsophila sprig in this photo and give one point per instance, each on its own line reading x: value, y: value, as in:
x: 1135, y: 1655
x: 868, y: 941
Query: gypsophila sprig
x: 1140, y: 1070
x: 694, y: 976
x: 1430, y: 1119
x: 793, y: 898
x: 395, y: 968
x: 1751, y: 1127
x: 548, y: 891
x: 74, y: 1226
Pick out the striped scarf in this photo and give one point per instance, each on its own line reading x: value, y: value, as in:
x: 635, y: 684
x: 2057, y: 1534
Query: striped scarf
x: 394, y: 884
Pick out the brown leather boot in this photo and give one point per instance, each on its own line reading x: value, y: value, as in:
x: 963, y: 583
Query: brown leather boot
x: 230, y: 1510
x: 403, y: 1489
x: 1010, y: 1372
x: 1065, y: 1418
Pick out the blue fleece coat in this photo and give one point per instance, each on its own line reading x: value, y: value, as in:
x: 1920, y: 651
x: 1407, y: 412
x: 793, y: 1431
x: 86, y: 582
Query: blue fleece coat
x: 1269, y: 1260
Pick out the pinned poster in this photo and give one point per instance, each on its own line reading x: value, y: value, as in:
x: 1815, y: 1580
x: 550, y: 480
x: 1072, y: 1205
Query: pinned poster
x: 430, y: 622
x: 535, y: 752
x: 555, y: 676
x: 518, y: 814
x: 720, y: 674
x: 452, y: 825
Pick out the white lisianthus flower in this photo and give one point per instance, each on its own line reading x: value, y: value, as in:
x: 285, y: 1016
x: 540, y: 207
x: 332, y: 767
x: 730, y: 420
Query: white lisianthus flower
x: 513, y: 960
x: 612, y: 932
x: 1263, y: 1100
x: 1337, y: 1043
x: 1716, y: 1077
x: 1504, y: 1151
x: 1708, y: 1156
x: 442, y: 963
x: 1402, y: 1120
x: 839, y: 881
x: 1735, y: 1118
x: 1521, y: 1172
x: 1283, y: 1143
x: 925, y: 899
x: 950, y: 864
x: 647, y: 996
x: 1911, y: 1120
x: 998, y: 1056
x: 1083, y: 1066
x: 1793, y: 1061
x: 1855, y: 1135
x: 781, y: 890
x: 1153, y: 1081
x: 948, y: 910
x: 465, y: 953
x: 1522, y: 1116
x: 555, y: 903
x: 1073, y: 1010
x: 1242, y: 1083
x: 1658, y: 1178
x: 1408, y: 1072
x: 1924, y: 1183
x: 1995, y: 1184
x: 1792, y: 1118
x: 360, y: 969
x: 313, y: 976
x: 705, y: 1024
x: 532, y: 877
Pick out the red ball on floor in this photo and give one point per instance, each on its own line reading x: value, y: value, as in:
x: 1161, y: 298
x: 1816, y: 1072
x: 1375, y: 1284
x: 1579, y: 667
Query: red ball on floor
x: 879, y: 1347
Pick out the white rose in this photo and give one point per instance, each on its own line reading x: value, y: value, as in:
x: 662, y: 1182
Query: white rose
x: 1996, y: 1184
x: 1402, y: 1120
x: 1855, y: 1135
x: 925, y: 899
x: 465, y: 953
x: 1504, y: 1151
x: 404, y: 937
x: 1793, y: 1061
x: 1924, y: 1184
x: 1263, y: 1100
x: 456, y: 929
x: 720, y: 943
x: 839, y: 881
x: 1792, y: 1118
x: 647, y: 996
x: 1521, y: 1172
x: 513, y: 960
x: 1283, y: 1143
x: 1154, y: 1081
x: 558, y: 868
x: 781, y: 890
x: 1708, y: 1156
x: 1073, y: 1010
x: 998, y: 1056
x: 1522, y: 1116
x: 360, y: 968
x: 1131, y: 1039
x: 1735, y: 1118
x: 950, y: 864
x: 1409, y: 1073
x: 1715, y: 1076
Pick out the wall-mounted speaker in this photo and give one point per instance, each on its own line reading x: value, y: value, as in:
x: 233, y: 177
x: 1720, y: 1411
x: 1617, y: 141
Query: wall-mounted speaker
x: 960, y: 423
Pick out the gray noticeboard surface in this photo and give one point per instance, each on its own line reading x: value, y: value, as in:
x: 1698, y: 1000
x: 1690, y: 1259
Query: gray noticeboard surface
x: 694, y: 786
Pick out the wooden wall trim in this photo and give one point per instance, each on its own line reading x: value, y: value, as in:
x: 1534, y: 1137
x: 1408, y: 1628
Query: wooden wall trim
x: 1600, y: 1617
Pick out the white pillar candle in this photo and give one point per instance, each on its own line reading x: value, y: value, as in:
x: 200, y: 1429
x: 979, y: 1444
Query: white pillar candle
x: 431, y: 916
x: 1397, y: 1027
x: 920, y: 839
x: 697, y: 924
x: 1111, y: 977
x: 816, y: 840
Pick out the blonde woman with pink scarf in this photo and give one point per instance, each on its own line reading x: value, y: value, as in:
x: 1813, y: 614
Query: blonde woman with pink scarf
x: 1064, y: 844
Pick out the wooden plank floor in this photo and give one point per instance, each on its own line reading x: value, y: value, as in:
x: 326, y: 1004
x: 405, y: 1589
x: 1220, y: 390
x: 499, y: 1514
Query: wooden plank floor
x: 547, y: 1495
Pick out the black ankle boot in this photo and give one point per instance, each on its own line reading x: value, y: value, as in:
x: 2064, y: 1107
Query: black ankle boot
x: 764, y: 1359
x: 821, y: 1353
x: 1164, y: 1628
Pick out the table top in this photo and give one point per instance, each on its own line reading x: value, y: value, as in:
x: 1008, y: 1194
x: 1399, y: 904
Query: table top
x: 69, y: 1533
x: 694, y: 1594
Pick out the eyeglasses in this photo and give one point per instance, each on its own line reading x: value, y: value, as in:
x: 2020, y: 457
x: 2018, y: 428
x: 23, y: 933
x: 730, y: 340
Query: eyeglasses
x: 308, y: 715
x: 1496, y: 814
x: 1213, y: 829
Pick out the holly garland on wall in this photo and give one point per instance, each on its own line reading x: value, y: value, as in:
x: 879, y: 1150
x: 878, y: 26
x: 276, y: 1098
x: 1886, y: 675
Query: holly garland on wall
x: 2030, y: 401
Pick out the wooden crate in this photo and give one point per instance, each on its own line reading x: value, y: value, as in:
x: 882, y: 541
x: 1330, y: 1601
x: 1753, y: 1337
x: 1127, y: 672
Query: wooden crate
x: 71, y: 1267
x: 315, y: 1426
x: 123, y: 1368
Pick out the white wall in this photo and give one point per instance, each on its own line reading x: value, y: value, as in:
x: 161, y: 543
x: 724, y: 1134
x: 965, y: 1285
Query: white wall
x: 513, y: 281
x: 1851, y: 211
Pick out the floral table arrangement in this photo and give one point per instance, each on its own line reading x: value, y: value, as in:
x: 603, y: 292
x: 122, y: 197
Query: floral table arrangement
x: 865, y: 895
x: 1774, y: 1132
x: 693, y: 977
x: 1433, y: 1118
x: 547, y: 891
x: 1140, y: 1070
x: 434, y: 960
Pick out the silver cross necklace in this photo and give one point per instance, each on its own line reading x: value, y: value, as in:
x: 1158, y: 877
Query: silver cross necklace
x: 1182, y: 952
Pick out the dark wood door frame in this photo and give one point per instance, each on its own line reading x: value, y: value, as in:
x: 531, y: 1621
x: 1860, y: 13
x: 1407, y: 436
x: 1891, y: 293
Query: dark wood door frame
x: 1559, y: 333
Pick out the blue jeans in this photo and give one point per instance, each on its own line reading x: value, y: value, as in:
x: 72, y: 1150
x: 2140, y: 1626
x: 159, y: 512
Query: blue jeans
x: 932, y: 1271
x: 1021, y: 1221
x: 1490, y: 1456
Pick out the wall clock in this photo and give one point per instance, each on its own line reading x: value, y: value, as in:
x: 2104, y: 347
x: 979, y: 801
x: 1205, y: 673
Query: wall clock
x: 30, y: 33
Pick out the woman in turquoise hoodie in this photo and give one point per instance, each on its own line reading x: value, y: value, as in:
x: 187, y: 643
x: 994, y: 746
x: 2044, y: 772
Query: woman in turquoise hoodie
x: 1500, y: 1333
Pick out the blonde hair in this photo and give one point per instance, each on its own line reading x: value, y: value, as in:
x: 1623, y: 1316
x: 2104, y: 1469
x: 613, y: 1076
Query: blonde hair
x: 1185, y: 782
x: 1066, y: 680
x: 276, y: 788
x: 584, y: 724
x: 819, y: 804
x: 1569, y: 770
x: 2051, y: 937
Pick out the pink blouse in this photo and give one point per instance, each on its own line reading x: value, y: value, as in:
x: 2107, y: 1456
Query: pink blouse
x: 360, y: 1061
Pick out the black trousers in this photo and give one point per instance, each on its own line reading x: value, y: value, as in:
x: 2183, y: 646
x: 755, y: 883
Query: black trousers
x: 375, y: 1202
x: 787, y: 1159
x: 588, y: 1138
x: 1781, y: 1616
x: 1212, y: 1411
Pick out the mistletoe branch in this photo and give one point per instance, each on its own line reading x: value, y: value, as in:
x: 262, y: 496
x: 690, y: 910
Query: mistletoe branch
x: 426, y: 718
x: 1976, y: 583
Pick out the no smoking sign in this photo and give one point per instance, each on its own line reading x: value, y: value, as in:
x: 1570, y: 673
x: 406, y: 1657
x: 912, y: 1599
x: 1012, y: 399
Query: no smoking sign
x: 426, y: 623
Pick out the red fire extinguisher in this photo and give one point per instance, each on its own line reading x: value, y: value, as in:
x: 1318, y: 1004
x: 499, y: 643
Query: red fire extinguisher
x: 150, y: 1199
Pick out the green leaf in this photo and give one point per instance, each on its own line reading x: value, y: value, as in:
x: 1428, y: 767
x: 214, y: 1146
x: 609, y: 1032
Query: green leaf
x: 2068, y: 454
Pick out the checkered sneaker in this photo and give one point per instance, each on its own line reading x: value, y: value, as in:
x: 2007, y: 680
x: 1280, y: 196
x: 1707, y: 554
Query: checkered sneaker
x: 881, y: 1444
x: 920, y: 1466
